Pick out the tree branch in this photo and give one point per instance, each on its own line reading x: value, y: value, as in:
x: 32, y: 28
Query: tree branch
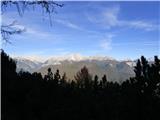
x: 47, y: 6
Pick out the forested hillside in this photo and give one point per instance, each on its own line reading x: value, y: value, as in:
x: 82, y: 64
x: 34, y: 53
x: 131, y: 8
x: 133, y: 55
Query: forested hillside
x: 27, y: 96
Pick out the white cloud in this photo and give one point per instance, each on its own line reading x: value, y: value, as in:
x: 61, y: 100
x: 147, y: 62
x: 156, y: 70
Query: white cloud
x: 142, y: 44
x: 75, y: 26
x: 107, y: 18
x: 15, y: 25
x: 106, y: 43
x: 36, y: 58
x: 18, y: 26
x: 140, y: 24
x: 68, y: 24
x: 110, y: 18
x: 39, y: 33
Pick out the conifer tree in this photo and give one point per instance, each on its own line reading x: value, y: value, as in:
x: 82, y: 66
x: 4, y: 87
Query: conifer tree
x: 57, y: 77
x: 138, y: 69
x: 63, y: 80
x: 83, y: 78
x: 49, y: 74
x: 95, y: 82
x: 104, y: 81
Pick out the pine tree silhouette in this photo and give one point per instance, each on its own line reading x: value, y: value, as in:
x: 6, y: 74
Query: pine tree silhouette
x: 95, y: 83
x: 63, y: 80
x: 27, y: 96
x: 83, y: 78
x: 57, y: 77
x: 104, y: 81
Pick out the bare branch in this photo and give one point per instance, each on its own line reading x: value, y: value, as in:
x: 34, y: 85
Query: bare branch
x: 47, y: 7
x: 10, y: 29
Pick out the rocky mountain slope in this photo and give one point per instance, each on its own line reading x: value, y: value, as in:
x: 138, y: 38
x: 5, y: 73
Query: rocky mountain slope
x: 97, y: 65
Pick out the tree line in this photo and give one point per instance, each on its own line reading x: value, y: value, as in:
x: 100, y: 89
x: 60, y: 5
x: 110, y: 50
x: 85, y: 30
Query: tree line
x: 27, y: 96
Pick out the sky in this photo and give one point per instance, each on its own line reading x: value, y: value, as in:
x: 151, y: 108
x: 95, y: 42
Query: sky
x: 121, y: 30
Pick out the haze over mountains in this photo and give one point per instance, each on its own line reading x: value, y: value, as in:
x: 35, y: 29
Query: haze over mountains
x: 71, y: 64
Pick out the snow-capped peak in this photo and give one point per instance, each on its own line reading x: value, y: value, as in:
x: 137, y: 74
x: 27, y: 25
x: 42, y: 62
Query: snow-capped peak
x: 34, y: 59
x: 75, y: 57
x: 78, y: 57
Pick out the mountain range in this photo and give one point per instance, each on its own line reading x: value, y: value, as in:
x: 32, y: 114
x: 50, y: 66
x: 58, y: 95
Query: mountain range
x: 98, y: 65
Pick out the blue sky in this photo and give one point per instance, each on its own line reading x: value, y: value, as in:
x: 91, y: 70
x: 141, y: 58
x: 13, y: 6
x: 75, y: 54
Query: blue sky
x: 117, y: 29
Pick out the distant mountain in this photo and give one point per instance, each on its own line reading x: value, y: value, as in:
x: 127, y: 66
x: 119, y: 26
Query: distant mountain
x: 74, y: 58
x: 115, y: 71
x: 97, y: 65
x: 26, y: 64
x: 130, y: 63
